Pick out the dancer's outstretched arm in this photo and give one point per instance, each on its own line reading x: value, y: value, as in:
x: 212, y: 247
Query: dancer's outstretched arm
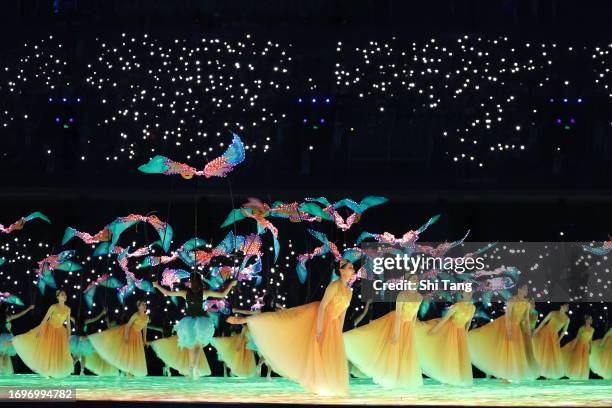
x: 172, y: 293
x: 96, y: 318
x: 221, y: 294
x: 363, y: 314
x: 18, y: 315
x: 542, y: 323
x: 246, y: 311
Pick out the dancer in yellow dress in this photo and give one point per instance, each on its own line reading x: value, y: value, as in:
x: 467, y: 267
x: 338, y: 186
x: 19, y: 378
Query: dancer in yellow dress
x: 123, y: 346
x: 6, y: 346
x: 304, y: 343
x: 46, y: 348
x: 601, y: 356
x: 502, y: 347
x: 442, y: 344
x: 546, y: 342
x: 196, y: 329
x: 384, y: 349
x: 233, y: 351
x: 575, y: 354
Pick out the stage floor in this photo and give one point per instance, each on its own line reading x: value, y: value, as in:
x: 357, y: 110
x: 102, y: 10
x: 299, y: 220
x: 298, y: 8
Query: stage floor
x: 363, y: 392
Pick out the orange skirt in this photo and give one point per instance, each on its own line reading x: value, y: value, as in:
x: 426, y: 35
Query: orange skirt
x: 233, y: 352
x: 128, y: 357
x: 601, y: 359
x: 98, y: 366
x: 575, y: 356
x: 392, y: 365
x: 444, y: 355
x: 286, y: 339
x: 172, y: 355
x: 49, y: 353
x: 548, y: 353
x: 492, y: 353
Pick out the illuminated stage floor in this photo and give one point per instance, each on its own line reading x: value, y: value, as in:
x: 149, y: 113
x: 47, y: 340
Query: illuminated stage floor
x: 363, y: 392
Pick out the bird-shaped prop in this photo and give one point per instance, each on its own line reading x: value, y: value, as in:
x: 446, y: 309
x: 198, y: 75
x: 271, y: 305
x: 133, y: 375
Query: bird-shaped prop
x: 218, y: 167
x: 20, y: 223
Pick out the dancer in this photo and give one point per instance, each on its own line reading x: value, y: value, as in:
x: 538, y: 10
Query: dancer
x: 601, y: 356
x: 195, y: 329
x: 233, y: 351
x: 123, y: 346
x: 384, y: 349
x: 46, y: 348
x: 502, y: 347
x: 6, y: 346
x: 80, y: 346
x: 575, y: 354
x: 173, y: 356
x: 546, y: 342
x: 442, y: 344
x: 304, y: 343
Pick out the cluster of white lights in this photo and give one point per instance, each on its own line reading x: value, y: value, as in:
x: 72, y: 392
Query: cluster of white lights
x: 40, y: 70
x: 179, y: 98
x: 479, y: 86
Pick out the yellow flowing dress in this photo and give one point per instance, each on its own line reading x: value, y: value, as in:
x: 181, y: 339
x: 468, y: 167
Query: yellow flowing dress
x: 98, y: 366
x: 547, y: 348
x: 601, y: 356
x: 575, y: 354
x: 233, y: 351
x: 492, y: 352
x: 168, y: 350
x: 49, y: 353
x: 128, y: 356
x: 286, y: 339
x: 370, y: 347
x: 444, y: 355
